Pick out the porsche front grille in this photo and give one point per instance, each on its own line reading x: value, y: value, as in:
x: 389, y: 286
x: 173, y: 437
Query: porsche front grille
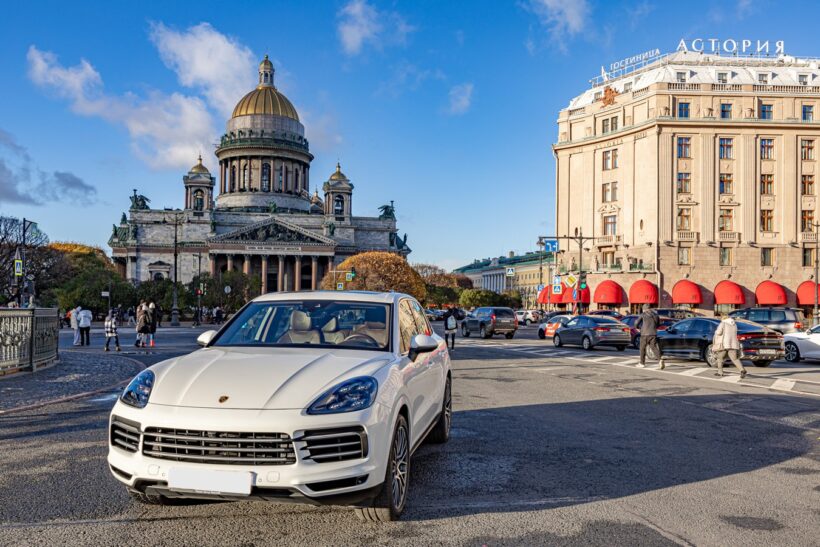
x: 333, y: 445
x: 125, y: 435
x: 233, y: 448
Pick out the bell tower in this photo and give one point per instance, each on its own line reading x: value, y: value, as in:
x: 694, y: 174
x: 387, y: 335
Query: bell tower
x: 338, y: 196
x: 199, y: 188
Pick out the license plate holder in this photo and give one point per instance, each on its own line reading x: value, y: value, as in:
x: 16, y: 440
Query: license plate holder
x: 767, y: 352
x: 210, y: 481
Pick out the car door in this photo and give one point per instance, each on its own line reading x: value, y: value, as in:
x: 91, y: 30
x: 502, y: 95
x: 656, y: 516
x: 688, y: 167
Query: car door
x: 432, y: 367
x: 810, y: 345
x: 698, y: 337
x: 570, y: 334
x: 412, y: 371
x: 673, y: 341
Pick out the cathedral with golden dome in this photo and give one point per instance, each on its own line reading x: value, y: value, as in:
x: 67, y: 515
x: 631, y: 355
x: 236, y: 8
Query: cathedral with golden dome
x: 256, y: 214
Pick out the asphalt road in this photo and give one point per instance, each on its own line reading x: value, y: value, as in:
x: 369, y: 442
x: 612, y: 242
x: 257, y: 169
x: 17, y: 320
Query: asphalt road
x: 555, y: 447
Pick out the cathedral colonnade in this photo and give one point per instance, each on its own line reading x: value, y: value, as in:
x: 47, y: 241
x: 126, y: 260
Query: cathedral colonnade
x: 263, y: 174
x: 278, y: 272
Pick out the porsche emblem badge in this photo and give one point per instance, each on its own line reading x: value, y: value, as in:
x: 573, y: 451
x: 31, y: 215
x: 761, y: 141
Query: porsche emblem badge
x: 223, y: 398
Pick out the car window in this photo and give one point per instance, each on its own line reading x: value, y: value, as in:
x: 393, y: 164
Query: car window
x: 574, y: 322
x: 603, y: 320
x: 815, y: 330
x: 407, y: 325
x: 422, y: 326
x: 683, y: 326
x: 700, y: 326
x: 758, y: 316
x: 504, y: 312
x: 777, y: 316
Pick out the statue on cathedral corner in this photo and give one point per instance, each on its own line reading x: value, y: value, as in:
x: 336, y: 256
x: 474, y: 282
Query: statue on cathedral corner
x: 123, y: 220
x: 139, y: 202
x: 132, y: 231
x: 388, y: 212
x: 272, y: 207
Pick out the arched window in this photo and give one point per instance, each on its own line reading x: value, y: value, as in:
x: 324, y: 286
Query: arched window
x: 199, y: 200
x: 157, y: 276
x: 339, y: 205
x: 233, y: 178
x: 266, y: 177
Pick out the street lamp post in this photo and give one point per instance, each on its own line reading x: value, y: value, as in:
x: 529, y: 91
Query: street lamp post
x: 177, y: 216
x: 816, y: 226
x: 580, y: 239
x: 198, y: 317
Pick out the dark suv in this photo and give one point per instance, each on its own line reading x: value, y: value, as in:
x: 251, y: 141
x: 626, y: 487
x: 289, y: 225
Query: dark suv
x: 489, y: 321
x: 783, y: 320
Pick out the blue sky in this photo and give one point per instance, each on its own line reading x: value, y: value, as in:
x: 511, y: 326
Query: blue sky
x: 448, y: 108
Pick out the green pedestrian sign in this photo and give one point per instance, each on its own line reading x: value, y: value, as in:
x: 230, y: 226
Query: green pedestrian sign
x: 18, y: 267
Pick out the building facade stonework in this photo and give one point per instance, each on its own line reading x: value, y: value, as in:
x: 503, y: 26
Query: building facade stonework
x: 699, y: 175
x: 257, y: 215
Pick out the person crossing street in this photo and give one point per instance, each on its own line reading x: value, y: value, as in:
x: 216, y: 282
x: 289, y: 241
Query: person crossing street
x: 111, y: 330
x: 648, y: 323
x: 725, y: 344
x: 450, y: 326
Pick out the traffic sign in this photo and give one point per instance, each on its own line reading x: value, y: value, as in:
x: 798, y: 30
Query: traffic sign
x: 510, y: 272
x: 349, y: 276
x: 105, y: 294
x: 575, y: 294
x: 571, y: 280
x: 227, y: 289
x: 551, y: 245
x: 340, y: 286
x: 556, y: 289
x: 556, y: 280
x: 18, y: 267
x: 540, y: 288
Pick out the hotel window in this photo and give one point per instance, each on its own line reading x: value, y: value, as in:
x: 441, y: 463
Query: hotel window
x: 807, y: 185
x: 726, y: 149
x: 725, y: 219
x: 803, y: 79
x: 725, y: 256
x: 763, y: 79
x: 605, y: 126
x: 598, y: 95
x: 767, y: 149
x: 808, y: 257
x: 808, y: 113
x: 684, y: 183
x: 765, y: 112
x: 766, y: 185
x: 627, y: 87
x: 683, y: 110
x: 610, y: 159
x: 684, y: 147
x: 807, y: 220
x: 723, y: 78
x: 606, y: 192
x: 684, y: 219
x: 767, y: 256
x: 610, y: 225
x: 684, y: 256
x: 725, y: 111
x: 681, y: 77
x: 725, y: 184
x: 613, y: 191
x: 613, y: 123
x: 608, y: 258
x: 807, y: 149
x: 766, y: 220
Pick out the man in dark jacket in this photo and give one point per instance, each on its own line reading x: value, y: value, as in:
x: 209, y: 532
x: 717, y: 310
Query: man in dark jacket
x: 648, y: 323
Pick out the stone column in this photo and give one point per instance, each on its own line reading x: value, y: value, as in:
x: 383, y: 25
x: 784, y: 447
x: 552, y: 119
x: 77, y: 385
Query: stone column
x: 264, y: 273
x: 246, y: 264
x: 708, y: 189
x: 230, y: 263
x: 314, y: 267
x: 212, y: 259
x: 666, y: 216
x: 280, y: 274
x: 297, y: 274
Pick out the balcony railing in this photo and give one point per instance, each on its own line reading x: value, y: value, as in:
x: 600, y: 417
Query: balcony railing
x: 728, y: 236
x: 641, y: 267
x: 808, y: 236
x: 607, y: 239
x: 787, y: 88
x: 684, y: 86
x: 685, y: 235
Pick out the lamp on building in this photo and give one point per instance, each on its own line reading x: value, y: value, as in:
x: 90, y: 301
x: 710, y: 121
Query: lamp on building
x: 667, y: 242
x: 710, y: 243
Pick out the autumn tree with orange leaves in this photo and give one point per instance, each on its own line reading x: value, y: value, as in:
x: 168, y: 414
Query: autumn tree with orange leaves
x: 377, y: 271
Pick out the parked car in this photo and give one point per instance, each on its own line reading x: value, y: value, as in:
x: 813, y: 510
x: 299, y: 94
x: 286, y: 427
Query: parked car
x: 317, y: 397
x: 783, y: 320
x: 692, y: 339
x: 676, y: 313
x: 430, y: 314
x: 489, y: 321
x: 547, y: 329
x: 526, y: 317
x: 635, y: 333
x: 589, y: 331
x: 802, y: 345
x: 607, y: 313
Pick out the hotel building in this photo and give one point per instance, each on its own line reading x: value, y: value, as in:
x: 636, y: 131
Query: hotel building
x: 697, y: 175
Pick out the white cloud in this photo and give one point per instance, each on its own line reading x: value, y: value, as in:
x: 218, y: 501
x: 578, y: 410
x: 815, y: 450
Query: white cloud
x: 321, y: 131
x: 167, y: 130
x: 406, y: 76
x: 461, y: 97
x: 561, y: 17
x: 361, y: 24
x: 206, y: 59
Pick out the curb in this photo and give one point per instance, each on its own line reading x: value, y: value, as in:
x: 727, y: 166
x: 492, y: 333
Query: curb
x: 76, y: 395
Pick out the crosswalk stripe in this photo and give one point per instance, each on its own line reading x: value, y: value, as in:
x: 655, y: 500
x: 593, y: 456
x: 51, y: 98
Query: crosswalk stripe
x: 691, y: 371
x: 601, y: 359
x: 783, y: 384
x: 731, y: 379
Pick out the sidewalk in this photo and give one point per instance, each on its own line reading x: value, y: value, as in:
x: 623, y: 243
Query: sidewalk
x: 78, y: 374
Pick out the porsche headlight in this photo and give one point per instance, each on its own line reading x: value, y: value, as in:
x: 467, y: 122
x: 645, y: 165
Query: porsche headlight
x: 349, y: 396
x: 137, y: 392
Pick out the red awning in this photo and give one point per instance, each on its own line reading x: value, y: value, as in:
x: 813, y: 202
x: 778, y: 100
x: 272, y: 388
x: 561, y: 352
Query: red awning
x: 643, y: 292
x: 729, y: 292
x: 583, y: 296
x: 608, y: 292
x: 544, y: 295
x: 770, y: 293
x: 686, y: 292
x: 805, y: 293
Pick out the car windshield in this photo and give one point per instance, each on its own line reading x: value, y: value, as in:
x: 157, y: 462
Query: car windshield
x: 501, y: 312
x: 355, y: 325
x: 603, y: 319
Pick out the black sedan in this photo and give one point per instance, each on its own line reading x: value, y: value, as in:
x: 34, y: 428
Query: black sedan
x: 692, y: 339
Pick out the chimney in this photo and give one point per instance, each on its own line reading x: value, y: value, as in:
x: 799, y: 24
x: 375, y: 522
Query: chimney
x: 511, y: 254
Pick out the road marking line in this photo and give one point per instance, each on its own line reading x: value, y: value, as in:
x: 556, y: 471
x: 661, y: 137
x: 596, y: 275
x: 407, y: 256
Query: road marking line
x: 691, y: 371
x: 600, y: 359
x: 783, y: 384
x: 730, y: 379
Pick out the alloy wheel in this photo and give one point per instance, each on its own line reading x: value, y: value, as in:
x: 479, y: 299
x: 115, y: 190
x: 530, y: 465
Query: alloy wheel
x: 448, y: 405
x: 399, y: 466
x: 792, y: 354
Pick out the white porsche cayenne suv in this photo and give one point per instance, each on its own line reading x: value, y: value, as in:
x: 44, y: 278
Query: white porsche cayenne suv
x: 317, y: 397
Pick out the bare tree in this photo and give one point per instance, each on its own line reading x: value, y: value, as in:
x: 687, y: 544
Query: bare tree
x: 40, y: 261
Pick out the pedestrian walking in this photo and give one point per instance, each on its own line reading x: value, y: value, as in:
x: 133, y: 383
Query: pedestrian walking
x: 74, y: 326
x: 648, y: 323
x: 158, y: 313
x: 725, y: 344
x: 132, y: 319
x: 111, y: 330
x: 84, y: 323
x: 153, y: 318
x: 143, y: 326
x: 450, y: 326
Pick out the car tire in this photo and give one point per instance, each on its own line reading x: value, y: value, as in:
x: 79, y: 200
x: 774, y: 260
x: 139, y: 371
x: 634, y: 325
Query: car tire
x: 708, y: 357
x: 527, y: 322
x: 464, y: 332
x: 148, y: 499
x: 621, y: 348
x: 441, y: 431
x: 509, y: 335
x: 636, y: 343
x: 586, y: 343
x: 556, y: 341
x: 390, y: 502
x: 792, y: 352
x: 482, y: 332
x: 541, y: 334
x: 761, y: 364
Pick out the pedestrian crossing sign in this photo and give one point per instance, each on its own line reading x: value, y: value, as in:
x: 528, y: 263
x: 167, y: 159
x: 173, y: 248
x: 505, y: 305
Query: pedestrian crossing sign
x: 349, y: 276
x: 510, y: 272
x: 556, y: 289
x: 340, y: 286
x: 18, y: 267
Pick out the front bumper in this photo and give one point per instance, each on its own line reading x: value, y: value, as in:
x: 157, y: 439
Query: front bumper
x: 347, y: 482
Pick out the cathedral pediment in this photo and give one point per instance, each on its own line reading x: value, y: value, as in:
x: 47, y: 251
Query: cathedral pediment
x: 272, y: 232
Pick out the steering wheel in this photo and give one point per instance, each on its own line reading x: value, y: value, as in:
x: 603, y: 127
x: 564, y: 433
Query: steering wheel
x: 360, y: 337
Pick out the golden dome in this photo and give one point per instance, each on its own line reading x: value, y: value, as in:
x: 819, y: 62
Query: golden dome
x: 338, y: 175
x: 266, y: 64
x: 265, y: 100
x: 199, y: 168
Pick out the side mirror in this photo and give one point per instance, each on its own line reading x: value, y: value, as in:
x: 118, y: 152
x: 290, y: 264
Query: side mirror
x: 671, y: 330
x: 205, y: 338
x: 421, y: 343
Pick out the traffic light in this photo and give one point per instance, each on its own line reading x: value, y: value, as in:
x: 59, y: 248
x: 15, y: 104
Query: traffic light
x: 352, y: 272
x: 199, y: 292
x: 582, y: 280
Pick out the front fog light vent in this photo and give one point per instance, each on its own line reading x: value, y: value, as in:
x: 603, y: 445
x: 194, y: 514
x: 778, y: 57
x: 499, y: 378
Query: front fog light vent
x: 125, y: 435
x: 334, y: 445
